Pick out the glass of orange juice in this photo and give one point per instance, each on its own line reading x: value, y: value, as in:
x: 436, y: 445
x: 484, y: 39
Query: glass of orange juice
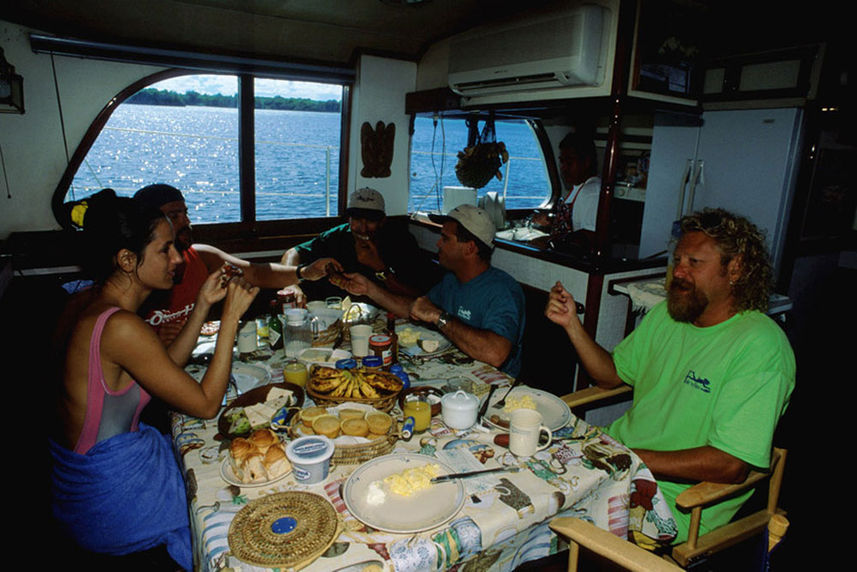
x: 295, y: 372
x: 418, y: 407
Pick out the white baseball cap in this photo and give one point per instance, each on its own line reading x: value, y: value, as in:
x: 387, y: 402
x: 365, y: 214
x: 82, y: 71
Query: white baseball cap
x: 365, y: 199
x: 474, y: 219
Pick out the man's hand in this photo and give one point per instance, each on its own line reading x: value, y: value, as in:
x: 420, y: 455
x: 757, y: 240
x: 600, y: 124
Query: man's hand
x: 319, y: 269
x: 561, y: 308
x: 424, y: 310
x: 368, y: 255
x: 355, y: 284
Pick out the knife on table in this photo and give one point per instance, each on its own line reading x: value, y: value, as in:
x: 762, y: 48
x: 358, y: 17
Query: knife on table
x: 451, y: 476
x: 484, y: 407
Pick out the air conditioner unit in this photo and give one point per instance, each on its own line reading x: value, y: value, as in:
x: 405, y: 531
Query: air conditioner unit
x: 558, y: 50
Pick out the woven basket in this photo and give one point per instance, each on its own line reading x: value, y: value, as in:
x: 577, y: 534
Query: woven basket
x: 384, y: 403
x: 284, y: 530
x: 358, y: 452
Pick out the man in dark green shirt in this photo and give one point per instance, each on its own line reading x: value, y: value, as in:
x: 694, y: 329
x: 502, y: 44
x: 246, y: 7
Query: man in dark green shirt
x: 370, y: 244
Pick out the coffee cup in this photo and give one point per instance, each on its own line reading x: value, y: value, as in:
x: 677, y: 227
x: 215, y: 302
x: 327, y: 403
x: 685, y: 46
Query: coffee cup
x: 525, y: 428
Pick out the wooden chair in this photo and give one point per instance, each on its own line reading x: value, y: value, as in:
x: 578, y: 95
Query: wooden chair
x: 694, y: 499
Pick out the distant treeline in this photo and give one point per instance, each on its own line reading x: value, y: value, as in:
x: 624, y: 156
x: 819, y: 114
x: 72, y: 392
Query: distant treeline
x: 152, y: 96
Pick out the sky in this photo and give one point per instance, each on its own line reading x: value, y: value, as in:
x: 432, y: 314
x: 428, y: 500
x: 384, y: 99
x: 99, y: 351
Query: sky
x: 228, y: 85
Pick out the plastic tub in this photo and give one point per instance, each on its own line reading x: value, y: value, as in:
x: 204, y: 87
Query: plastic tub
x: 310, y: 458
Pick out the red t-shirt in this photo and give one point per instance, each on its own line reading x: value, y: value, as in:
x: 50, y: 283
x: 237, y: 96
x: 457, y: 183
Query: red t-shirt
x: 181, y: 299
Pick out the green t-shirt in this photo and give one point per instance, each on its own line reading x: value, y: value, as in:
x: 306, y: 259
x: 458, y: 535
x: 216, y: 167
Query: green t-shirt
x: 725, y: 386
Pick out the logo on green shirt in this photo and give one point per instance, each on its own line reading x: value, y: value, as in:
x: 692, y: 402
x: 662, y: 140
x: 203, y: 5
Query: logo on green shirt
x: 700, y: 383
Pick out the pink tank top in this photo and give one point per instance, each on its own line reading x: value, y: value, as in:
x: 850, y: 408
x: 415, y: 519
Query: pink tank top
x: 108, y: 413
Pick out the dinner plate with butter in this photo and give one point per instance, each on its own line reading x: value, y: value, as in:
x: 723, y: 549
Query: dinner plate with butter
x: 555, y: 412
x: 394, y: 493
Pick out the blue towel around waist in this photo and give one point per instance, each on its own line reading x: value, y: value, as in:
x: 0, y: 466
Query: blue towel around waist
x: 125, y: 495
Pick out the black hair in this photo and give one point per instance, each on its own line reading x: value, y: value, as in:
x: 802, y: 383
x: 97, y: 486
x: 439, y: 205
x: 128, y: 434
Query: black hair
x: 584, y: 147
x: 463, y: 235
x: 111, y: 223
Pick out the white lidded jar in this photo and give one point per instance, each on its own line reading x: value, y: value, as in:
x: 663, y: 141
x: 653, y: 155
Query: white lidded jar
x: 459, y: 409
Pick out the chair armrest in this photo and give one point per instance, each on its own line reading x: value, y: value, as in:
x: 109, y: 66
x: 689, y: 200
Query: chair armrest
x: 705, y: 493
x: 593, y: 394
x: 618, y: 550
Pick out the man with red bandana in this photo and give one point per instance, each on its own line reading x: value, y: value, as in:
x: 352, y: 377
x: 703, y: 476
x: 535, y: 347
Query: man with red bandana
x: 712, y: 374
x: 168, y: 312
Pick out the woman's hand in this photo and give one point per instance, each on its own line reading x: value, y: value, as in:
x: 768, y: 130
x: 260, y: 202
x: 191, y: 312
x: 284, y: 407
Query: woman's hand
x: 239, y: 296
x: 213, y: 290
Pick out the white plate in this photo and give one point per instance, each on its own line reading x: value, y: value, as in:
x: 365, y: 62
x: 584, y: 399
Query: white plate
x: 330, y: 359
x: 249, y: 377
x: 555, y: 412
x: 421, y: 511
x: 227, y: 475
x: 424, y: 333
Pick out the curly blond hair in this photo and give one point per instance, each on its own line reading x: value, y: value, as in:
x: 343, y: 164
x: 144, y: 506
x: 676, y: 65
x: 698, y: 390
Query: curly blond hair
x: 738, y: 238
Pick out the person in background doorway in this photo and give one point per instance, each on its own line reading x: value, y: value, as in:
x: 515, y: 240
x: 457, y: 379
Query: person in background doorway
x: 577, y: 206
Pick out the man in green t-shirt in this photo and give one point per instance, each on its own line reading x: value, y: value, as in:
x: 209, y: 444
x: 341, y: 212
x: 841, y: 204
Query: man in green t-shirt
x: 712, y: 374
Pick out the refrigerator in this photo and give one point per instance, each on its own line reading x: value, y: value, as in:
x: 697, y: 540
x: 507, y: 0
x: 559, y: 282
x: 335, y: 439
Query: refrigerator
x: 744, y: 161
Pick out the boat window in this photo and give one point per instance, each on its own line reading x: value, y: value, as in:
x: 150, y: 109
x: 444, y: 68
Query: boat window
x: 435, y: 144
x: 185, y: 131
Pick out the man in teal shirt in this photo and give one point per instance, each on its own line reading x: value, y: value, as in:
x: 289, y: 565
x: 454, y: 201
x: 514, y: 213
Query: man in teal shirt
x: 712, y: 374
x: 478, y: 307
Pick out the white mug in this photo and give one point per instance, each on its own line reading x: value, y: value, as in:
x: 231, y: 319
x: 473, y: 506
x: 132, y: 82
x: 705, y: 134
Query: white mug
x: 525, y: 427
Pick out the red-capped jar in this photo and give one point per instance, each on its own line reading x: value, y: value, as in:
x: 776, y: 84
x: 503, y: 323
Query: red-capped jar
x: 381, y: 345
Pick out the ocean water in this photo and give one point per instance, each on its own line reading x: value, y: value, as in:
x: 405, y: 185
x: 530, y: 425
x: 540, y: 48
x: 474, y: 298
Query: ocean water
x: 297, y: 153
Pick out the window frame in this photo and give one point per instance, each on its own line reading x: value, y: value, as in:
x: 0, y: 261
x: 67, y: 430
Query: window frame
x: 540, y: 135
x: 180, y: 62
x: 248, y: 225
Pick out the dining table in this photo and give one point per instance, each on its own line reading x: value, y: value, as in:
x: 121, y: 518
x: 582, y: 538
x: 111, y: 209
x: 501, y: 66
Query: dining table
x: 495, y: 521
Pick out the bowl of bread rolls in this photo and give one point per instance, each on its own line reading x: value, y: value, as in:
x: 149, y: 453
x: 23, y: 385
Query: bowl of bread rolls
x: 256, y: 460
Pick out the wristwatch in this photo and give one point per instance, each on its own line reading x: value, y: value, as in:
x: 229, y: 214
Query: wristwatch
x: 298, y: 271
x: 443, y: 320
x: 384, y: 274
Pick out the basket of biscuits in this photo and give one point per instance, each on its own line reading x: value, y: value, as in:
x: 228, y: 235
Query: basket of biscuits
x: 329, y: 386
x: 359, y: 431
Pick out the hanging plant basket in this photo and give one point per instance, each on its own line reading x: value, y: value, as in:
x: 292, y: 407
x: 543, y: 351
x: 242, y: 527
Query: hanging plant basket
x: 481, y: 160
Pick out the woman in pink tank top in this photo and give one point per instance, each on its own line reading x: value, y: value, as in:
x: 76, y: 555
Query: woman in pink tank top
x: 113, y: 362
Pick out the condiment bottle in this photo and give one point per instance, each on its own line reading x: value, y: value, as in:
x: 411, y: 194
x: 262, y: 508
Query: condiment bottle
x: 275, y: 327
x: 381, y: 345
x: 391, y: 331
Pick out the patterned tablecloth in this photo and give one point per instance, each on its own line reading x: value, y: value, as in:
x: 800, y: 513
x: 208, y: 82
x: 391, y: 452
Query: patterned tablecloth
x: 504, y: 520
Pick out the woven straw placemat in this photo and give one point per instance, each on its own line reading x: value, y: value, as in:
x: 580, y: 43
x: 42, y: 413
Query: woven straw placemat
x: 284, y: 530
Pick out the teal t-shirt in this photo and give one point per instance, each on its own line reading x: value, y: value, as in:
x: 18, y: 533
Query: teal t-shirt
x: 725, y: 386
x: 492, y: 301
